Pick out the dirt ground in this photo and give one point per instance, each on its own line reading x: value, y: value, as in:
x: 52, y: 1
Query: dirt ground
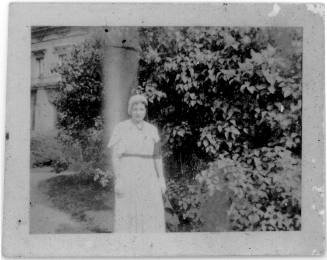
x: 45, y: 218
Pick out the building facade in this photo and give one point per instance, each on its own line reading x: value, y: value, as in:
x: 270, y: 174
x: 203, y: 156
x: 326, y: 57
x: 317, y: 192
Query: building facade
x: 49, y: 46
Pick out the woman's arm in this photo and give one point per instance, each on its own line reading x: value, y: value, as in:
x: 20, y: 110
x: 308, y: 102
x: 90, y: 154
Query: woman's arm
x: 159, y: 170
x: 159, y: 167
x: 115, y: 163
x: 115, y: 158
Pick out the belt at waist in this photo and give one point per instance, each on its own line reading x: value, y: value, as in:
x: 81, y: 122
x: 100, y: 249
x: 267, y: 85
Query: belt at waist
x: 146, y: 156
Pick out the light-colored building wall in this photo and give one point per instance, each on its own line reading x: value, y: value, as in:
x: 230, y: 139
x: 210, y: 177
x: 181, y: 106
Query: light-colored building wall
x: 49, y: 46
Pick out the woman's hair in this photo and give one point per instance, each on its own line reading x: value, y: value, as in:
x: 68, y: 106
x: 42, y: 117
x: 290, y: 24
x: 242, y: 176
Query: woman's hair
x: 135, y: 100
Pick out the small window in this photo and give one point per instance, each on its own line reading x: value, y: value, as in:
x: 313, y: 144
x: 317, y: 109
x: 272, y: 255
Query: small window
x: 33, y: 105
x: 40, y: 67
x: 61, y: 57
x: 39, y: 63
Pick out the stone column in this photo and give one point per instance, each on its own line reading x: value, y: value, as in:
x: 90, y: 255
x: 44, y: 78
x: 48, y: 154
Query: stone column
x: 119, y: 72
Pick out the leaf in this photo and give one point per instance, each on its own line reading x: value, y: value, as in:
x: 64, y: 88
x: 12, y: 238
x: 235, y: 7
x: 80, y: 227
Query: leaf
x: 251, y: 89
x: 243, y: 87
x: 260, y: 87
x: 229, y: 114
x: 191, y: 72
x: 192, y: 96
x: 211, y: 75
x: 228, y: 74
x: 287, y: 92
x: 272, y: 89
x: 257, y: 57
x: 235, y: 45
x: 235, y: 131
x: 183, y: 77
x: 229, y: 39
x: 257, y: 162
x: 181, y: 132
x: 269, y: 77
x: 281, y: 108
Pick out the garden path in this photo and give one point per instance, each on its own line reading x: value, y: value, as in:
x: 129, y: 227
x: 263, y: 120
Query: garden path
x: 45, y: 218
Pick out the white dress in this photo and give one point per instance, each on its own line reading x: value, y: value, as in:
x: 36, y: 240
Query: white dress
x: 139, y: 207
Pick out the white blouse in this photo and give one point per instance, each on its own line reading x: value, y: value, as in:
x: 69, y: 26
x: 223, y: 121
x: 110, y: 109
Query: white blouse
x: 127, y: 138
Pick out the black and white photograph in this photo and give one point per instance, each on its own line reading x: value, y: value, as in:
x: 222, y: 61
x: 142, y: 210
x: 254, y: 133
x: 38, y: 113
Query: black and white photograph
x: 165, y: 129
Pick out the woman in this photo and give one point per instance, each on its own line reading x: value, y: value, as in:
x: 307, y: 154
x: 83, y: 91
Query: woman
x: 138, y: 170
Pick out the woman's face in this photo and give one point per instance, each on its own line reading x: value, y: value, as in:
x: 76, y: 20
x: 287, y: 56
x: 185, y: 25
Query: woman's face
x: 138, y: 112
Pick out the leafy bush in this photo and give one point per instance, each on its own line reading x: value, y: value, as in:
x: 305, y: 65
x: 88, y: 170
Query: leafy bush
x: 79, y: 105
x: 186, y: 198
x: 79, y: 99
x: 214, y: 89
x: 60, y: 165
x: 88, y: 147
x: 211, y: 89
x: 45, y: 149
x: 265, y: 188
x: 103, y: 177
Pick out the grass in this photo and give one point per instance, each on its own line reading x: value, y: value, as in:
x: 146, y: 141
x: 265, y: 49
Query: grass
x: 75, y: 194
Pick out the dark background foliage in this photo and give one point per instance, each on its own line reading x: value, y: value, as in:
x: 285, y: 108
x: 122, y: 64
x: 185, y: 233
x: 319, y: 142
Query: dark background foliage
x: 223, y: 90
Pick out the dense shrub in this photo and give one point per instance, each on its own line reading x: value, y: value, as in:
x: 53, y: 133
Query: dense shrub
x: 79, y: 98
x: 79, y: 105
x: 88, y: 147
x: 186, y: 197
x: 105, y: 178
x: 264, y: 187
x: 214, y: 90
x: 93, y: 163
x: 45, y: 149
x: 60, y: 165
x: 196, y: 208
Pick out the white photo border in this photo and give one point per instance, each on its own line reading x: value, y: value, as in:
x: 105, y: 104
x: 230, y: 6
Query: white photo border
x: 18, y: 242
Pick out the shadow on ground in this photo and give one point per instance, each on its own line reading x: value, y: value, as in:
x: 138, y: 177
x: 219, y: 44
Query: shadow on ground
x: 66, y: 203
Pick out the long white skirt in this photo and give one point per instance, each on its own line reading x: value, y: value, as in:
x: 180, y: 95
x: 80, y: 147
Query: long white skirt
x: 140, y: 207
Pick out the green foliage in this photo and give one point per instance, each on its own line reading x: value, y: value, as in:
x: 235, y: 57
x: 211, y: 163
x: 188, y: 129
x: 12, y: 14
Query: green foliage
x: 45, y: 150
x: 265, y: 187
x: 216, y: 90
x: 90, y: 141
x: 231, y: 93
x: 79, y: 99
x: 79, y: 106
x: 186, y: 197
x: 60, y: 165
x: 86, y: 153
x: 104, y: 178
